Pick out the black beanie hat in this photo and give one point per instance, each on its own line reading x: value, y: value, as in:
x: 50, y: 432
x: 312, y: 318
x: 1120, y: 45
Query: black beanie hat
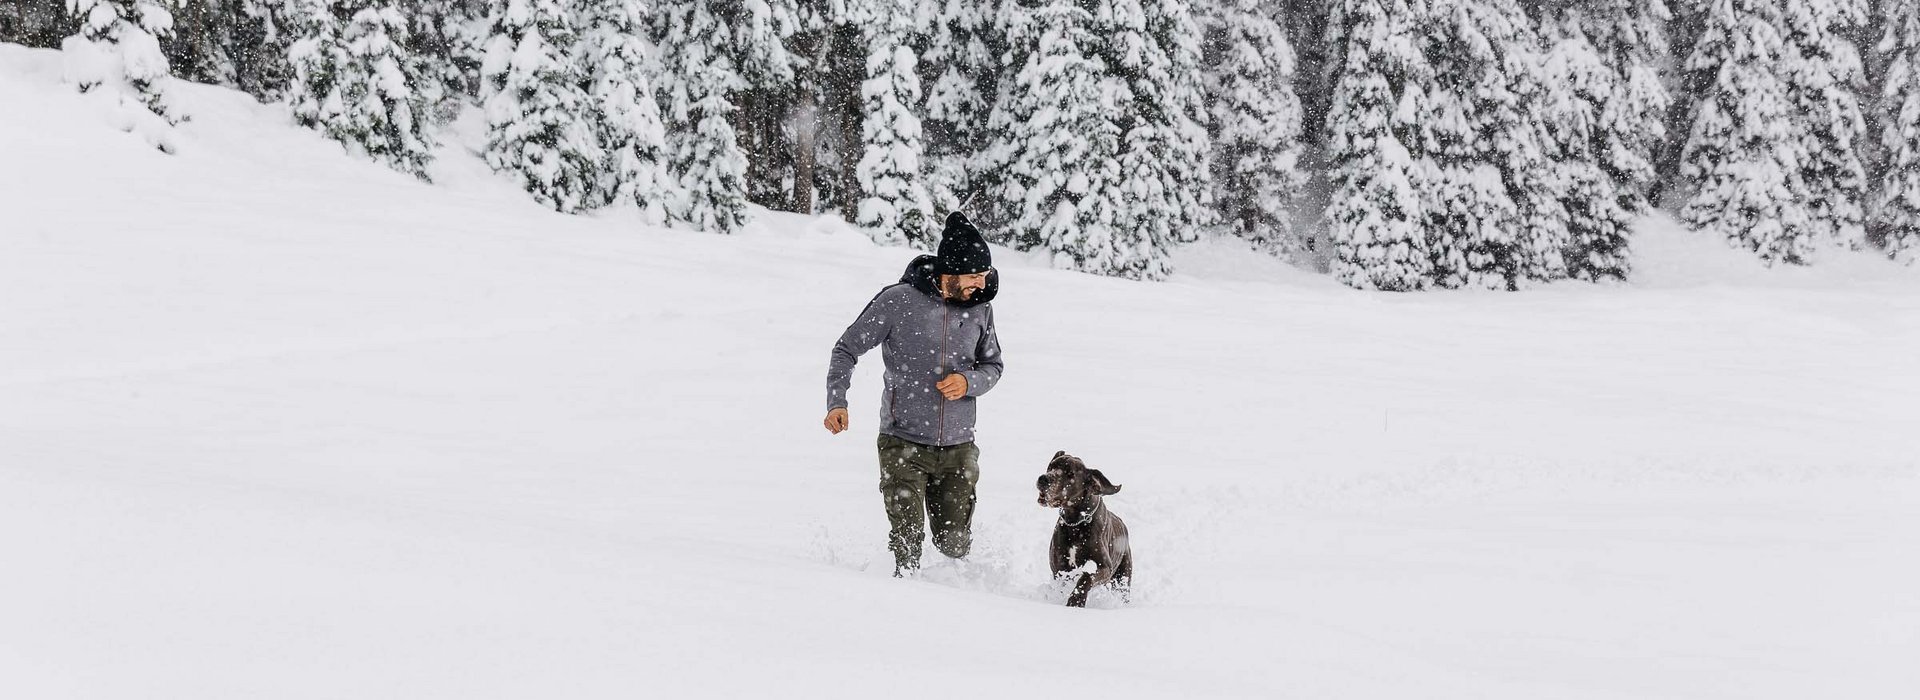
x: 962, y: 250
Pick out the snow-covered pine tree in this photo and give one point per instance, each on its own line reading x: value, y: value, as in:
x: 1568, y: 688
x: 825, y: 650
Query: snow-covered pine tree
x: 1307, y: 32
x: 1013, y: 24
x: 1631, y: 37
x: 894, y: 208
x: 1741, y: 158
x: 697, y: 78
x: 353, y: 81
x: 1822, y: 71
x: 1057, y: 148
x: 1580, y: 92
x: 1256, y: 123
x: 1619, y: 112
x: 840, y: 73
x: 1376, y: 213
x: 1896, y: 214
x: 118, y: 48
x: 1494, y: 221
x: 959, y: 77
x: 200, y: 45
x: 443, y: 40
x: 263, y: 38
x: 1155, y: 47
x: 232, y: 43
x: 539, y: 125
x: 756, y: 44
x: 627, y: 119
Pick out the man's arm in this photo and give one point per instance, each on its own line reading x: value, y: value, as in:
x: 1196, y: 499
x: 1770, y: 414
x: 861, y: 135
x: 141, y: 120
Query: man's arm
x: 866, y: 332
x: 986, y: 361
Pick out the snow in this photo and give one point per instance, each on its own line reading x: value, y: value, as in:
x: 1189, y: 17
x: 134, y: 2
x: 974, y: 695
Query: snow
x: 278, y: 422
x: 86, y: 63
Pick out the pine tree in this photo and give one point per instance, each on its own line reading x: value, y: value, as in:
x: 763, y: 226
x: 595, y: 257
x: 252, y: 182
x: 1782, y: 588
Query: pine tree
x: 1822, y: 71
x: 960, y: 76
x: 1058, y: 149
x: 231, y: 43
x: 353, y: 81
x: 1741, y: 157
x: 199, y: 46
x: 627, y: 119
x: 1896, y: 214
x: 843, y: 112
x: 724, y: 71
x: 538, y: 122
x: 262, y: 42
x: 895, y: 208
x: 1494, y: 220
x: 1376, y: 215
x: 118, y: 49
x: 1155, y: 48
x: 446, y: 48
x: 1631, y: 37
x: 755, y: 39
x: 1153, y: 52
x: 755, y: 43
x: 697, y: 80
x: 810, y: 44
x: 1256, y: 123
x: 1606, y: 107
x: 1581, y: 89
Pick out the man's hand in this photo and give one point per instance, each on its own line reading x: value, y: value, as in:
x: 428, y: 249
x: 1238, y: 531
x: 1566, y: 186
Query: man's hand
x: 836, y: 420
x: 953, y: 387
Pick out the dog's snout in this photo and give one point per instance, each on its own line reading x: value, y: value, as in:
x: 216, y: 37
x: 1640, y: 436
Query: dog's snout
x: 1045, y: 485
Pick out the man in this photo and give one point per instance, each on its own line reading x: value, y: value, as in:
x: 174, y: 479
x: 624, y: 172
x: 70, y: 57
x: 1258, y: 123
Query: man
x: 941, y: 353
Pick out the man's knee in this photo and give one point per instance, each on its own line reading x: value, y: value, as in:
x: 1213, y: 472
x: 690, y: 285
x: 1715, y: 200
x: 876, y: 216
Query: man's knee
x: 902, y: 499
x: 951, y: 516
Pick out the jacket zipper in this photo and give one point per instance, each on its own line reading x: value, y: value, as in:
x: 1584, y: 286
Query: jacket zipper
x: 944, y: 320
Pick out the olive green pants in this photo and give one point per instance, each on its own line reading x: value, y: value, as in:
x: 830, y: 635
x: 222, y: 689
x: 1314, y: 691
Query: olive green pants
x: 925, y: 485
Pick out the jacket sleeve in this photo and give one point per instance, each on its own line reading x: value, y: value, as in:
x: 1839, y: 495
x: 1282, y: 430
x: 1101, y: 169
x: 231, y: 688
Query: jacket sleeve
x: 986, y: 361
x: 865, y: 333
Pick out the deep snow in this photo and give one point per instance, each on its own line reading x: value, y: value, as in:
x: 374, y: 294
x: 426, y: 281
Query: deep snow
x: 277, y: 423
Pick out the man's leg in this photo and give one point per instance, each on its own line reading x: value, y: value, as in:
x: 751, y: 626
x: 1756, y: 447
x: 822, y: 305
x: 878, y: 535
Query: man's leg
x: 903, y: 487
x: 950, y: 499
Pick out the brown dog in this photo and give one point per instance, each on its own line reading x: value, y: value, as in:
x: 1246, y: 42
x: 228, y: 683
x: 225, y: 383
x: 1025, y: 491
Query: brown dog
x: 1086, y: 531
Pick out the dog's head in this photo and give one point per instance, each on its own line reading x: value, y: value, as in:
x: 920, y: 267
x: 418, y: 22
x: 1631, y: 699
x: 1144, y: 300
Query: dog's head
x: 1068, y: 481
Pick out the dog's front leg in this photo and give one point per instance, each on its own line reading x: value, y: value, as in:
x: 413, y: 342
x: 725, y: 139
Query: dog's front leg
x: 1093, y: 574
x: 1101, y: 575
x: 1060, y: 554
x: 1081, y: 585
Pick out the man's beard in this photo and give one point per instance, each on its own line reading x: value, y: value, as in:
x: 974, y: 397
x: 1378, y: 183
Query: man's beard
x: 954, y: 290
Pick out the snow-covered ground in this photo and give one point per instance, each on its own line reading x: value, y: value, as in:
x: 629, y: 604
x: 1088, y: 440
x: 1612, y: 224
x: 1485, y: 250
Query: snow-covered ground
x: 276, y: 423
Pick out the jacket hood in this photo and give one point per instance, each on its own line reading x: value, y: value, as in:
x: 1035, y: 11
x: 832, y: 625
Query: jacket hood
x: 920, y: 273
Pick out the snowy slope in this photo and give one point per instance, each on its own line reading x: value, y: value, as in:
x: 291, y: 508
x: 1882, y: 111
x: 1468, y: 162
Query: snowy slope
x: 275, y: 423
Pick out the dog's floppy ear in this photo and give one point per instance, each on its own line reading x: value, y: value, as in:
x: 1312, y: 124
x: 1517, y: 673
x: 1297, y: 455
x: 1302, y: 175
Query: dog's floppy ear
x: 1059, y: 454
x: 1100, y: 484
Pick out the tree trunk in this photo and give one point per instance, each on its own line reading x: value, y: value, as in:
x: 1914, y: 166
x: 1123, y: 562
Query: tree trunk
x: 850, y: 161
x: 805, y: 119
x: 804, y: 153
x: 746, y: 134
x: 846, y: 75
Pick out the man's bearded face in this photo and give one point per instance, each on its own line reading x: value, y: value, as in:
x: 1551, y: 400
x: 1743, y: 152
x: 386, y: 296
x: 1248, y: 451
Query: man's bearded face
x: 962, y: 287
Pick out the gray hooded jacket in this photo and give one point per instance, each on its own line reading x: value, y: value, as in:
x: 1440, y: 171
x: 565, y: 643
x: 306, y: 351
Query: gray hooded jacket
x: 924, y: 338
